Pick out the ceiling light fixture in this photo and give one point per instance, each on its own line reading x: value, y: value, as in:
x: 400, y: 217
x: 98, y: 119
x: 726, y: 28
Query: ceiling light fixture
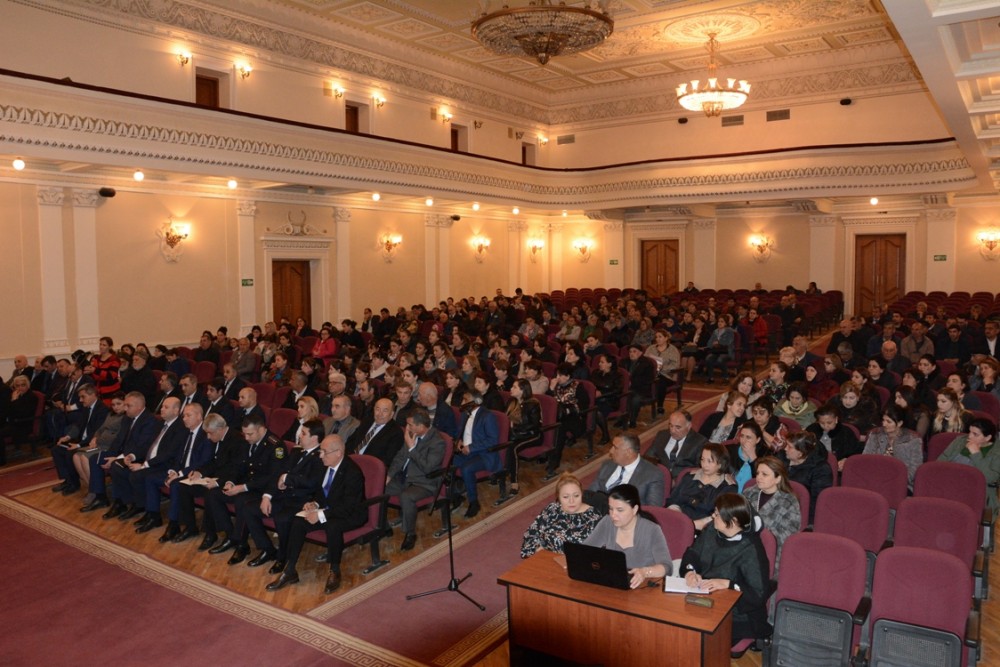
x: 475, y: 206
x: 543, y: 30
x: 232, y: 184
x: 715, y: 96
x: 376, y: 196
x: 429, y: 201
x: 138, y: 176
x: 18, y: 164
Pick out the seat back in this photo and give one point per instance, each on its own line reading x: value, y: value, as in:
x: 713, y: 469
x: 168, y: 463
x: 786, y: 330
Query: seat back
x: 939, y: 524
x: 884, y: 475
x: 770, y: 548
x: 802, y: 493
x: 550, y: 429
x: 280, y: 420
x: 204, y: 371
x: 677, y: 529
x: 990, y: 403
x: 954, y: 481
x: 265, y: 393
x: 279, y: 396
x: 938, y: 443
x: 857, y: 514
x: 920, y: 606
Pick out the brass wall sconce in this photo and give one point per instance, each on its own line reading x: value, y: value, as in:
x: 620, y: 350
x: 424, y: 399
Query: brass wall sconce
x: 760, y: 247
x: 171, y: 234
x: 244, y: 69
x: 480, y: 244
x: 583, y: 247
x: 183, y: 58
x: 989, y: 244
x: 534, y: 247
x: 388, y: 245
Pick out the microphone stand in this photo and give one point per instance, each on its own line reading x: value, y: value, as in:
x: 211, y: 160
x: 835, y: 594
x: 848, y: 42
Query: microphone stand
x: 454, y: 583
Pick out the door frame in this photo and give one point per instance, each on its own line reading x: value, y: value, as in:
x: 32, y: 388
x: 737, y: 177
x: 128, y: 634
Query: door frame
x: 657, y: 231
x: 316, y: 251
x: 868, y: 226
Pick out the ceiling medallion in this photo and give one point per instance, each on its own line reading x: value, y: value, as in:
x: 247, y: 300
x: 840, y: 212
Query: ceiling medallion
x: 542, y: 30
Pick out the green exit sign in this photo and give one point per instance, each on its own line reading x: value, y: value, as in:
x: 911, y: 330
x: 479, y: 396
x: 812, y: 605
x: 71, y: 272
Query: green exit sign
x: 940, y: 258
x: 613, y: 262
x: 247, y: 282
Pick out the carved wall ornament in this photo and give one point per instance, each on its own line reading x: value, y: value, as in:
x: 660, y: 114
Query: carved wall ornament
x: 297, y: 226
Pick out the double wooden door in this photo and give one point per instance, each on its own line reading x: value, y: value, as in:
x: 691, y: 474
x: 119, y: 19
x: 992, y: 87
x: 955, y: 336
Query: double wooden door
x: 292, y: 291
x: 660, y: 262
x: 880, y: 270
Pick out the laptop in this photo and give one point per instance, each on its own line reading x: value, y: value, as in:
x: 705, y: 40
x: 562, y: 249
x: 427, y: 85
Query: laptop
x: 597, y: 565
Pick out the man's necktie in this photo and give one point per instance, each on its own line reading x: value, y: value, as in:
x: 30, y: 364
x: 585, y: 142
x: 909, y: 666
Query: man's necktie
x: 367, y: 439
x: 156, y: 443
x: 187, y: 449
x: 328, y: 482
x: 86, y: 423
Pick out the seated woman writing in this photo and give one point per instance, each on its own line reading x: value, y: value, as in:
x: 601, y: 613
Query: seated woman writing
x: 569, y: 519
x: 695, y: 493
x: 641, y: 540
x: 729, y: 555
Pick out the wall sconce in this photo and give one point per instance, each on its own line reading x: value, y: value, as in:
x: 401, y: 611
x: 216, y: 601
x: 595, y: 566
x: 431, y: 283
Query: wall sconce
x: 989, y: 244
x: 583, y: 246
x: 543, y: 141
x: 534, y: 246
x: 171, y: 234
x: 761, y: 247
x: 480, y: 244
x: 338, y: 91
x: 378, y: 100
x: 183, y: 58
x: 244, y: 70
x: 478, y: 124
x: 518, y: 135
x: 388, y: 243
x: 445, y: 116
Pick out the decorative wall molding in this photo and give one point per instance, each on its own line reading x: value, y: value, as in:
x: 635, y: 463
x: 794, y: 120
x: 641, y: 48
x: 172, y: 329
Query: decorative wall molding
x: 676, y: 227
x: 297, y: 226
x: 296, y: 243
x: 246, y: 207
x: 614, y: 226
x: 517, y: 226
x: 86, y: 198
x: 438, y: 220
x: 50, y: 196
x: 823, y: 220
x: 898, y: 220
x: 704, y: 223
x: 554, y: 227
x: 55, y: 344
x: 942, y: 215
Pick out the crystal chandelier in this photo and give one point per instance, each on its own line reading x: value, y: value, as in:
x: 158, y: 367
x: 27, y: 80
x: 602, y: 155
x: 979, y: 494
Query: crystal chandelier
x: 542, y: 30
x: 715, y: 96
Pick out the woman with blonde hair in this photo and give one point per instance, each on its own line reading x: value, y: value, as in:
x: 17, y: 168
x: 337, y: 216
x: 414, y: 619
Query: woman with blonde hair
x: 568, y: 519
x: 951, y: 415
x: 306, y: 408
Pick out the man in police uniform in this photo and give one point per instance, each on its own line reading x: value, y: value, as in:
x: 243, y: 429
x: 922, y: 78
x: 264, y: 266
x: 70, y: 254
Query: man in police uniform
x: 259, y: 463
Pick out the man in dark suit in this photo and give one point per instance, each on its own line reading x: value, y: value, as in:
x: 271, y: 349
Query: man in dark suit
x: 226, y: 446
x: 64, y: 404
x: 441, y: 414
x: 259, y: 465
x: 128, y: 483
x: 338, y: 506
x: 677, y: 446
x: 803, y: 357
x: 93, y: 412
x: 139, y: 428
x: 409, y: 476
x: 301, y: 474
x: 626, y: 467
x: 232, y: 383
x: 189, y: 389
x: 405, y: 403
x: 168, y: 389
x: 381, y: 438
x: 641, y: 372
x: 140, y: 378
x: 44, y: 375
x: 194, y: 450
x: 478, y: 434
x: 218, y: 404
x: 21, y: 367
x: 248, y: 405
x: 299, y: 383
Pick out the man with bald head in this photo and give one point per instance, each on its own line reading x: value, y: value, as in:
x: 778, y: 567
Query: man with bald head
x: 337, y: 506
x: 893, y: 361
x: 21, y: 367
x: 248, y: 405
x: 441, y: 414
x: 381, y: 437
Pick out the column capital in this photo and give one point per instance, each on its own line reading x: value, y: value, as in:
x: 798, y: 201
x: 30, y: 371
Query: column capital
x: 438, y: 220
x: 704, y: 223
x: 50, y: 196
x: 941, y: 215
x: 822, y: 220
x: 341, y: 214
x: 246, y: 207
x: 86, y: 199
x: 555, y: 227
x: 517, y: 226
x: 613, y: 226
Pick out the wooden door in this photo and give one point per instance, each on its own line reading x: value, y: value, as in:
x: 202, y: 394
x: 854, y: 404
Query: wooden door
x: 292, y: 293
x: 880, y: 270
x: 660, y: 266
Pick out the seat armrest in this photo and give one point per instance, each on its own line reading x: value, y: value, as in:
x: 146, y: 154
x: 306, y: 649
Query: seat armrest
x: 861, y: 613
x: 972, y: 638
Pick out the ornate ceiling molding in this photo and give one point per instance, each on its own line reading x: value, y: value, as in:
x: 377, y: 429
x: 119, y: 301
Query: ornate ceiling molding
x: 888, y: 220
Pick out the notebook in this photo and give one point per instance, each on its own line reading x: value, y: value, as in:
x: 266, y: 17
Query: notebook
x: 596, y: 565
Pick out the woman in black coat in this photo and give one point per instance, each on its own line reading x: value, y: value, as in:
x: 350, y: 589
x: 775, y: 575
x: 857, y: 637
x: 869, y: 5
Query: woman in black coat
x: 808, y: 465
x: 525, y: 415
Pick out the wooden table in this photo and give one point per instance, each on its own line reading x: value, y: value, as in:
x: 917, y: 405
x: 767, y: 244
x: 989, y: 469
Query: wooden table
x: 586, y: 623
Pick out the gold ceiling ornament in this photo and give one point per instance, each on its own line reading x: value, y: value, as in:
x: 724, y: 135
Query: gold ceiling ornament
x: 542, y: 29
